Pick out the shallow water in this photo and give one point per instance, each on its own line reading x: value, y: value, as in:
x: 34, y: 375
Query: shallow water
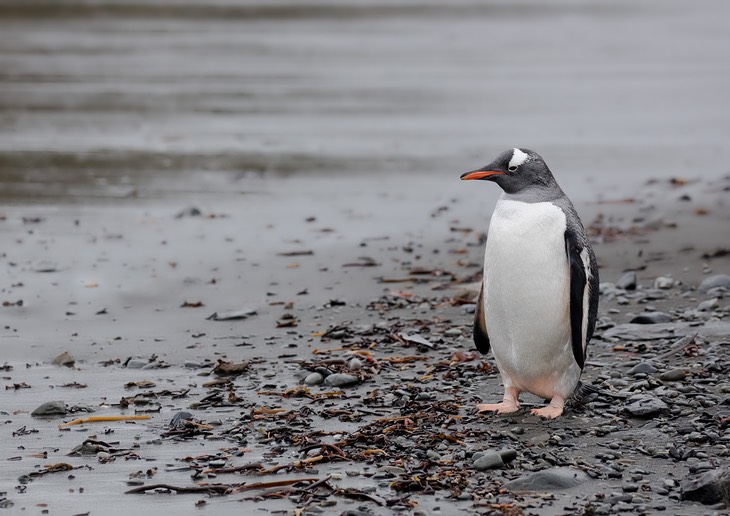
x: 140, y: 98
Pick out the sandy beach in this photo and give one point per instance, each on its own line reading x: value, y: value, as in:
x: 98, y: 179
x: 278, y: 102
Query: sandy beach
x: 203, y: 209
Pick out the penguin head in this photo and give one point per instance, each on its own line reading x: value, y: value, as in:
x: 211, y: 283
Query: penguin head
x: 515, y: 171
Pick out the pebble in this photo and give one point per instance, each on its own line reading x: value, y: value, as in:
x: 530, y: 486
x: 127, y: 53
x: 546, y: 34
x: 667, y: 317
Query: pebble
x: 708, y: 304
x: 51, y: 408
x: 314, y: 379
x: 651, y: 318
x: 673, y: 375
x: 508, y: 455
x: 645, y: 405
x: 642, y: 368
x: 663, y: 282
x: 716, y: 281
x: 64, y: 359
x: 136, y: 363
x: 552, y: 479
x: 488, y: 460
x: 627, y: 281
x: 341, y: 380
x: 355, y: 364
x: 707, y: 488
x: 178, y: 420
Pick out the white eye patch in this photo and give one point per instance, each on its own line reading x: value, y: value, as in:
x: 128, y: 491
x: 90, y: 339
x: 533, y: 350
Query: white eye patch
x: 518, y: 158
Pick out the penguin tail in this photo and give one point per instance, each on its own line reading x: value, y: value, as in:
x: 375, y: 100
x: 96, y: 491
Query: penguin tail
x: 585, y: 393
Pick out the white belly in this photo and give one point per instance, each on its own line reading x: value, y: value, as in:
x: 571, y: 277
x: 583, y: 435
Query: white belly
x: 526, y: 298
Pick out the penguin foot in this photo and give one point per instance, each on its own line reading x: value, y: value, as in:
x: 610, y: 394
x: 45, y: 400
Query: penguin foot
x: 505, y: 407
x: 552, y: 411
x: 510, y: 403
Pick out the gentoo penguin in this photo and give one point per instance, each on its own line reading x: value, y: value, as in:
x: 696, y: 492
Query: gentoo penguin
x: 538, y: 301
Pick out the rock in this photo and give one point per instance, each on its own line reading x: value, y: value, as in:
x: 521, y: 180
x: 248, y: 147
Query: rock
x: 508, y: 455
x: 708, y: 304
x: 645, y: 405
x: 707, y: 488
x: 341, y: 380
x: 136, y: 363
x: 673, y: 375
x: 355, y: 364
x: 314, y: 379
x: 190, y: 211
x: 88, y: 448
x: 552, y: 479
x: 663, y: 282
x: 642, y: 367
x: 178, y: 420
x: 489, y: 460
x: 64, y: 359
x: 627, y: 281
x: 651, y: 318
x: 716, y: 281
x: 51, y: 408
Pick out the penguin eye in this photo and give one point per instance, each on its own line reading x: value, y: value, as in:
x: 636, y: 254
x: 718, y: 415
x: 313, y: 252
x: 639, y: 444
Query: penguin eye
x: 512, y: 168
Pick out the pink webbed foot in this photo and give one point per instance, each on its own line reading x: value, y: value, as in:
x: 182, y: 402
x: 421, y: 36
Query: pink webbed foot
x: 510, y: 403
x: 499, y: 408
x: 552, y: 411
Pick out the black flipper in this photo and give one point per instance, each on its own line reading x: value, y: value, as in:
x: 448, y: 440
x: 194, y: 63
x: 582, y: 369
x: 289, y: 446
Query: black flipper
x: 578, y: 287
x: 481, y: 339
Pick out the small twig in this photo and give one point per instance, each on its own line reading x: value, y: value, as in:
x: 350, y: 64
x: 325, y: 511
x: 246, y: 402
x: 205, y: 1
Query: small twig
x: 320, y: 446
x: 276, y: 483
x: 96, y: 419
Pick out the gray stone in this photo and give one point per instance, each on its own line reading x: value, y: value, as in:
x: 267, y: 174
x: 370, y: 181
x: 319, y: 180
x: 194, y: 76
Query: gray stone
x: 645, y: 405
x: 708, y: 304
x: 341, y: 380
x: 355, y: 364
x: 136, y: 363
x: 673, y: 375
x: 642, y: 367
x: 179, y: 420
x: 627, y: 281
x: 651, y: 318
x: 489, y: 460
x: 716, y: 281
x: 707, y: 488
x: 51, y: 408
x: 64, y: 359
x: 663, y: 282
x: 552, y: 479
x: 314, y: 379
x: 508, y: 455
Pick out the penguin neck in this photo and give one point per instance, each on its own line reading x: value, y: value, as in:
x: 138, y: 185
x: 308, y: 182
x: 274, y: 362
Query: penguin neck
x: 535, y: 194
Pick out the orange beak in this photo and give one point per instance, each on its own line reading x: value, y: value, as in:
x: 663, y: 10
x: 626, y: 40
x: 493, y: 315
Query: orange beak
x: 481, y: 174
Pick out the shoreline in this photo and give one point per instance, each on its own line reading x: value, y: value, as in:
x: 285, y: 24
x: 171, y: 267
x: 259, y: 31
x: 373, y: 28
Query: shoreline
x: 117, y: 282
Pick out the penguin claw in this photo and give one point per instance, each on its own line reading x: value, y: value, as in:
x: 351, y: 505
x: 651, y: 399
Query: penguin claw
x: 499, y: 408
x: 549, y: 412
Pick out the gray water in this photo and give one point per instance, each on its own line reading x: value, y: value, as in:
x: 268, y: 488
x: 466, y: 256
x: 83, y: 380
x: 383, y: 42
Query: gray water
x: 139, y: 98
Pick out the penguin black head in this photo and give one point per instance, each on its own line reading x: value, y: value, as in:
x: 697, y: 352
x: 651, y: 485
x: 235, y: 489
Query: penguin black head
x: 516, y: 170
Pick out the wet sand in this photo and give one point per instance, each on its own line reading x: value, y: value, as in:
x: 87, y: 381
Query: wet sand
x: 108, y: 284
x: 326, y: 175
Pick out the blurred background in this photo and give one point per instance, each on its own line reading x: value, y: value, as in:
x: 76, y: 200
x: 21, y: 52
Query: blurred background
x: 148, y: 98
